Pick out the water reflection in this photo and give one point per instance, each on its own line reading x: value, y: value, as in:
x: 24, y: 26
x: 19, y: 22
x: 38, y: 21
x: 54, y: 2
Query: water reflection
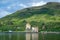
x: 10, y: 36
x: 32, y: 36
x: 28, y: 36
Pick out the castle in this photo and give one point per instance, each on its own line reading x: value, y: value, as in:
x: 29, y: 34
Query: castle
x: 29, y: 28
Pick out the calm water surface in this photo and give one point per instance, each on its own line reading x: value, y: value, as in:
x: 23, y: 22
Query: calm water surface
x: 29, y: 36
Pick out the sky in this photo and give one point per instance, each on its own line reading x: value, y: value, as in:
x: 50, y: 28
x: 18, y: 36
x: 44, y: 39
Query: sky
x: 10, y: 6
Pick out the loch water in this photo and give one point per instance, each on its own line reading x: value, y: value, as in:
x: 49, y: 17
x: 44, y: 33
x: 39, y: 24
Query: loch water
x: 29, y: 36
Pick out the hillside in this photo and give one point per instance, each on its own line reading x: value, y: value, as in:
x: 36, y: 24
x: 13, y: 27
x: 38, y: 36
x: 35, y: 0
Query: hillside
x: 47, y: 15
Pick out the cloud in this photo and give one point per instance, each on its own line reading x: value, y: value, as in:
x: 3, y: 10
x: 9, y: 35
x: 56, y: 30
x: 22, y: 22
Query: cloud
x: 15, y: 6
x: 18, y: 5
x: 32, y: 4
x: 23, y: 5
x: 4, y: 13
x: 10, y: 6
x: 52, y: 0
x: 38, y: 3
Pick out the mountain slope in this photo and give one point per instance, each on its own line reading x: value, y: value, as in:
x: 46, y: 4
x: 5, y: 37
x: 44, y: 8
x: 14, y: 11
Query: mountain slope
x: 47, y: 15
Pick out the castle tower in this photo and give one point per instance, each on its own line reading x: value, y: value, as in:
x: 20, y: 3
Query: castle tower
x: 34, y: 29
x: 28, y: 27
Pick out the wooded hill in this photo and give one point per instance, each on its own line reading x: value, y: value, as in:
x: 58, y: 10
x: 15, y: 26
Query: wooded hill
x: 47, y: 15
